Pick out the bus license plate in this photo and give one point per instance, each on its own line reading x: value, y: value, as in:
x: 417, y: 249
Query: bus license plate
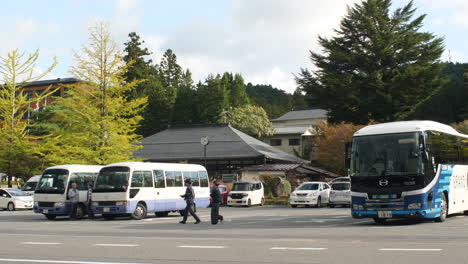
x: 385, y: 214
x: 45, y: 211
x: 105, y: 209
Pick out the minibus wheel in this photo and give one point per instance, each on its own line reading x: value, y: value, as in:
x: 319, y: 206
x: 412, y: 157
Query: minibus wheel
x: 262, y: 203
x: 140, y: 212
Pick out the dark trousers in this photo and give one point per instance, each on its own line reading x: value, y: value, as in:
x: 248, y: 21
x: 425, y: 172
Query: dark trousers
x: 215, y: 213
x: 74, y: 207
x: 89, y: 211
x: 189, y: 209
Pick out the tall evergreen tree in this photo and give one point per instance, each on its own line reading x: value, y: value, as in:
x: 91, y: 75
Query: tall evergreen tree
x: 274, y: 101
x: 138, y: 67
x: 298, y: 100
x: 212, y: 99
x: 185, y: 108
x: 378, y: 67
x: 237, y: 92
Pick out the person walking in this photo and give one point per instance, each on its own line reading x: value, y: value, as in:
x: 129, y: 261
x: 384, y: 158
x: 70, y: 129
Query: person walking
x: 89, y: 200
x: 189, y: 197
x: 216, y: 200
x: 74, y: 196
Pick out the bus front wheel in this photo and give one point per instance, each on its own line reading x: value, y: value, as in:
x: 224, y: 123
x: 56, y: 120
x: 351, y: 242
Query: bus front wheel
x: 443, y: 210
x: 140, y: 212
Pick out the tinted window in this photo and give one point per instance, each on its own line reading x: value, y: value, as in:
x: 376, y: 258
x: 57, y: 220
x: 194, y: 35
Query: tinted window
x: 308, y: 187
x: 340, y: 186
x: 241, y: 186
x: 174, y: 178
x: 159, y: 179
x: 113, y: 179
x: 444, y: 147
x: 142, y: 179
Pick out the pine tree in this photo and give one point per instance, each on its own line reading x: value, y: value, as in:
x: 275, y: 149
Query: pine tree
x: 185, y: 108
x: 237, y: 92
x: 212, y: 99
x: 378, y: 67
x: 96, y: 121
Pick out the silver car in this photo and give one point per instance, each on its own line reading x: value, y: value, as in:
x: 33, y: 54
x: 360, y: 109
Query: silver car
x: 340, y: 194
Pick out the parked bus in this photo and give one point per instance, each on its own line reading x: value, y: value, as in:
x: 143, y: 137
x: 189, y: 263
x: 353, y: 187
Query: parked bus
x: 138, y: 188
x: 51, y: 194
x: 409, y: 169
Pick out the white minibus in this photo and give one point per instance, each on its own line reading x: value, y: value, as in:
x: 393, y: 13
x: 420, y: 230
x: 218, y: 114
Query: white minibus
x: 50, y: 196
x: 138, y: 188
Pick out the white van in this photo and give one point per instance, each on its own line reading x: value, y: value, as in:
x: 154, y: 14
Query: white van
x: 246, y: 194
x: 29, y: 187
x: 310, y: 193
x: 340, y: 194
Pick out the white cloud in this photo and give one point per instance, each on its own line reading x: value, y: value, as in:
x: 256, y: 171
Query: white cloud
x: 125, y: 6
x: 264, y: 40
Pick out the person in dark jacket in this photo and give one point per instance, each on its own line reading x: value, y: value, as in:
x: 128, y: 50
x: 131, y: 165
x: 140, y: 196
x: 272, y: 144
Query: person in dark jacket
x: 216, y: 200
x: 189, y: 197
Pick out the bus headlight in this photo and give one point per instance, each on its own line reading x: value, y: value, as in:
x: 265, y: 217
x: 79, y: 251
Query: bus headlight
x: 413, y: 206
x: 121, y: 203
x: 61, y: 204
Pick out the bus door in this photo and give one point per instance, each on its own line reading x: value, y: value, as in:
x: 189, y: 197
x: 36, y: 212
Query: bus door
x: 160, y: 191
x: 142, y: 189
x: 82, y: 179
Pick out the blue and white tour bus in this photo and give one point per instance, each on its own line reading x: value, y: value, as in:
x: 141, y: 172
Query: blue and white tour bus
x: 138, y: 188
x: 51, y: 193
x: 408, y: 169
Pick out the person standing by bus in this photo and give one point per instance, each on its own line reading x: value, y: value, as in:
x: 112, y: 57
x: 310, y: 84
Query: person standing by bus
x: 74, y: 197
x: 189, y: 197
x: 89, y: 200
x: 216, y: 200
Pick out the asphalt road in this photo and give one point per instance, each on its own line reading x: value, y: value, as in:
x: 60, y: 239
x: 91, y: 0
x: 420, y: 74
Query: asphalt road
x: 248, y: 235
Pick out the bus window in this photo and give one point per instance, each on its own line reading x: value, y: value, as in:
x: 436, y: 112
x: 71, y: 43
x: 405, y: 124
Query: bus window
x: 170, y: 178
x: 81, y: 180
x: 178, y: 179
x: 159, y: 179
x: 193, y: 176
x: 142, y: 179
x: 203, y: 178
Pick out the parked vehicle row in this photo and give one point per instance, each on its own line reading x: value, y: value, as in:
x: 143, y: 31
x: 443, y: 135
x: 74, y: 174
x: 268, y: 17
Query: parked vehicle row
x: 12, y: 199
x: 319, y: 194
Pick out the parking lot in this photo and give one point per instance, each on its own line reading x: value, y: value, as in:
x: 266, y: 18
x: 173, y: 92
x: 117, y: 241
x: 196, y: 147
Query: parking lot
x: 248, y: 235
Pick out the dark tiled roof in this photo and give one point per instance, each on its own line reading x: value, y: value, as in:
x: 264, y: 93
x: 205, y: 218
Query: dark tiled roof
x: 301, y: 168
x: 226, y: 142
x: 53, y: 81
x: 303, y: 114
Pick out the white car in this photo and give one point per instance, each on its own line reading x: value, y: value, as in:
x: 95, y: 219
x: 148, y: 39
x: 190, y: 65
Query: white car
x: 246, y: 194
x: 12, y: 199
x: 340, y: 194
x: 310, y: 193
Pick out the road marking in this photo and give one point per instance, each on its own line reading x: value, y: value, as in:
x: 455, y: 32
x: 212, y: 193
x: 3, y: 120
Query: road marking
x: 200, y: 246
x: 66, y: 261
x: 116, y: 245
x: 410, y: 249
x: 289, y: 248
x: 41, y: 243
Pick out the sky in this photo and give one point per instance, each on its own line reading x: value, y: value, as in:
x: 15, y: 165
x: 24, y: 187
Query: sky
x: 267, y: 41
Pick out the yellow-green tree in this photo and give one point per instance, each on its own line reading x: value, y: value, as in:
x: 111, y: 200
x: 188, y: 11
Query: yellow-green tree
x: 250, y: 119
x: 17, y: 148
x: 95, y: 121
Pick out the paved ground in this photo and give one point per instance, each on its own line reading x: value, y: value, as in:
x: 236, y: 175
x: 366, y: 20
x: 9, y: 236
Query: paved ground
x: 249, y: 235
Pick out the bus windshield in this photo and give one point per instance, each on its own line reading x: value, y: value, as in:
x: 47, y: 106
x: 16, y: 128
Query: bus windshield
x: 29, y: 186
x: 53, y: 181
x: 112, y: 179
x: 386, y: 155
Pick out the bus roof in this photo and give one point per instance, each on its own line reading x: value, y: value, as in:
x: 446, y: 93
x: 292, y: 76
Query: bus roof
x: 78, y: 167
x: 156, y: 165
x: 406, y: 127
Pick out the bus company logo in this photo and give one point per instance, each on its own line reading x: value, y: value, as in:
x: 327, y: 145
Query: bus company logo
x: 383, y: 182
